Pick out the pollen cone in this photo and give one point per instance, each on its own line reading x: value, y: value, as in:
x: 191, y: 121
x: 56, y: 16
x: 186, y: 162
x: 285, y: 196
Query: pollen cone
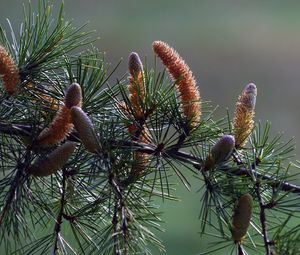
x: 141, y: 160
x: 8, y: 71
x: 136, y: 87
x: 137, y: 98
x: 185, y: 81
x: 58, y: 130
x: 243, y: 119
x: 61, y: 126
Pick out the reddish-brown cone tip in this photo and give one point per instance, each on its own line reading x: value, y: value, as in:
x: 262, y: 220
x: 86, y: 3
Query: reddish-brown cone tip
x: 73, y: 96
x: 135, y: 64
x: 186, y: 83
x: 136, y: 87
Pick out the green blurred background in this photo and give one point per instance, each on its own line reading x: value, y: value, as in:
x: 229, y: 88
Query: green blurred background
x: 227, y: 43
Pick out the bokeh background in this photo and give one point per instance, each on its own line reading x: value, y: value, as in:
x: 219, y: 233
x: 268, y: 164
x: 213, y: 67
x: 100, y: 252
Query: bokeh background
x: 227, y: 43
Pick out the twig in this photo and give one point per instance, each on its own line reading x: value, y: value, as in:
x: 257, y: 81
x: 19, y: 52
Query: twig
x: 262, y: 217
x: 115, y: 229
x: 119, y: 208
x: 59, y: 218
x: 262, y: 213
x: 240, y: 249
x: 182, y: 137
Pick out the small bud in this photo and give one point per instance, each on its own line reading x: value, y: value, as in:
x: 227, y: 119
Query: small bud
x: 85, y: 129
x: 249, y: 96
x: 241, y: 217
x: 73, y: 96
x: 220, y: 152
x: 135, y: 65
x: 54, y: 161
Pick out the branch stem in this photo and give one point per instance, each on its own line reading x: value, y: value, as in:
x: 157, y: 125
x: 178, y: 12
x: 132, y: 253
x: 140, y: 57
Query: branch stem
x: 60, y: 216
x: 120, y: 215
x: 262, y: 217
x: 184, y: 157
x: 240, y: 249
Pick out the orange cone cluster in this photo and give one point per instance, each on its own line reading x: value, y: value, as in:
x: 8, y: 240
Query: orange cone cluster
x: 141, y: 159
x: 184, y: 79
x: 136, y: 87
x: 243, y: 119
x: 62, y: 124
x: 8, y: 71
x: 137, y: 97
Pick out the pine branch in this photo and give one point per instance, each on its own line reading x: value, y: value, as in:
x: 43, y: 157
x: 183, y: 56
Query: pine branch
x: 108, y: 207
x: 16, y: 129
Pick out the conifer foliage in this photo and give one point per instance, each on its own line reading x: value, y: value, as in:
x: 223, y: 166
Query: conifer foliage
x: 83, y: 159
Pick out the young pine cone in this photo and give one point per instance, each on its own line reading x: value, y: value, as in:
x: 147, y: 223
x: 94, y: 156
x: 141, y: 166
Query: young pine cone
x: 184, y: 79
x: 85, y: 129
x: 241, y: 217
x: 54, y: 161
x: 220, y: 152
